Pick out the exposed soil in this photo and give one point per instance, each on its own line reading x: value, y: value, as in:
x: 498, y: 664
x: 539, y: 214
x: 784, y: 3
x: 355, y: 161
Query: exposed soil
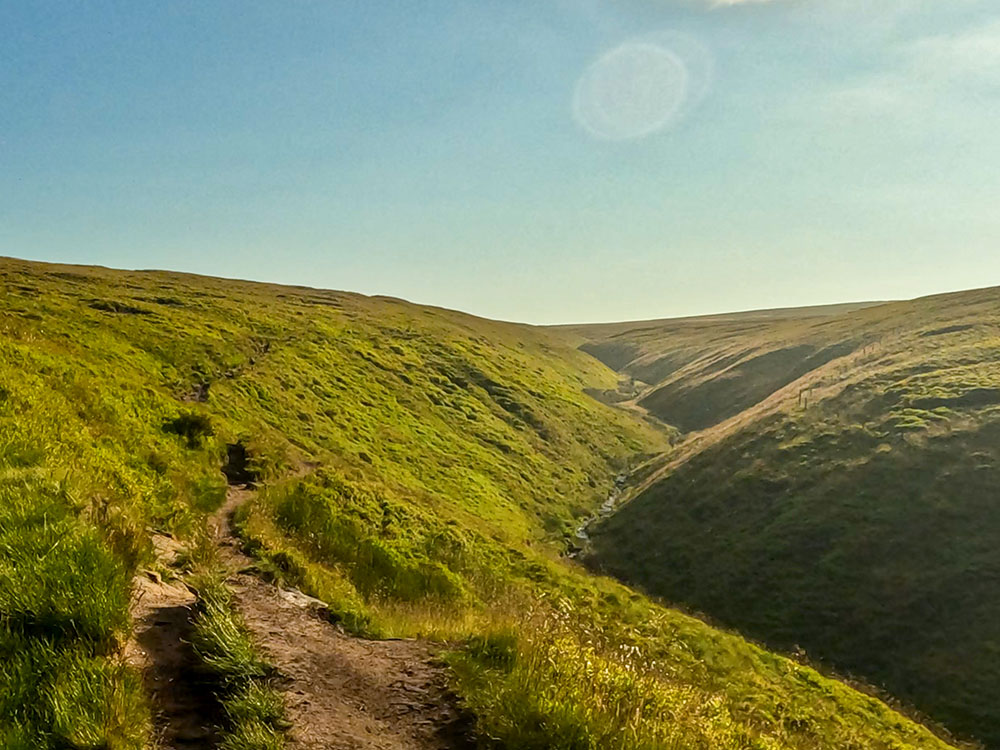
x: 341, y: 692
x: 183, y: 719
x: 348, y: 693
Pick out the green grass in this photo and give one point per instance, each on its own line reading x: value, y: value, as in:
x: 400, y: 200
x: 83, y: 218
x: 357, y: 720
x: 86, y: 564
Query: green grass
x: 252, y: 709
x: 64, y: 600
x: 55, y: 694
x: 57, y: 579
x: 422, y: 472
x: 859, y: 524
x: 553, y: 658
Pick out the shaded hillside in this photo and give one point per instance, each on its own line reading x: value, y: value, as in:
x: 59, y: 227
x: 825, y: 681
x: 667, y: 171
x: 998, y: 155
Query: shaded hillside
x: 854, y: 513
x: 647, y: 330
x: 417, y: 470
x: 699, y: 371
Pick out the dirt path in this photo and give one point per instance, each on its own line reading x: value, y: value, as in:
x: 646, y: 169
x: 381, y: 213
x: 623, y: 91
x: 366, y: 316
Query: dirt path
x: 160, y: 651
x: 341, y: 693
x: 348, y: 693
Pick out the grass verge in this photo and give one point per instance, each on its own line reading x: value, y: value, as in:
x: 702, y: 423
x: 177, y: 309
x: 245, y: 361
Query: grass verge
x: 252, y: 710
x: 64, y: 601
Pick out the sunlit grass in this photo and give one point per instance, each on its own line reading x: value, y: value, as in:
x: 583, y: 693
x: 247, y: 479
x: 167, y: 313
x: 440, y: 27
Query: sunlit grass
x: 547, y: 657
x: 253, y: 711
x: 858, y: 503
x: 57, y: 694
x: 422, y: 470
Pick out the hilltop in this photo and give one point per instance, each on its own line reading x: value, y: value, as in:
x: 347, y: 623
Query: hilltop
x: 653, y: 331
x: 834, y: 490
x: 235, y: 451
x: 693, y: 372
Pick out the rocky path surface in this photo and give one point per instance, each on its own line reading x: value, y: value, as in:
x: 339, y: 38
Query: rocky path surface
x: 160, y: 650
x: 341, y: 692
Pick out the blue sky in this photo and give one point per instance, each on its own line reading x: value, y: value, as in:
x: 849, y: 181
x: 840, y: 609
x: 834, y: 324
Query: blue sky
x: 544, y: 161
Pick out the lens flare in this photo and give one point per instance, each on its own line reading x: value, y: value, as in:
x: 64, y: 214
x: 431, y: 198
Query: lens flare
x: 643, y: 85
x: 631, y: 91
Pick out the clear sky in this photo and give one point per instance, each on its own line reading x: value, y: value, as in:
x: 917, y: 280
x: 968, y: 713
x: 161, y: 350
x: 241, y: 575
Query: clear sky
x: 535, y: 160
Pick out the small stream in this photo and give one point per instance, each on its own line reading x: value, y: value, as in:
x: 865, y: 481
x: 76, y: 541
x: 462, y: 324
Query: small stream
x: 582, y: 536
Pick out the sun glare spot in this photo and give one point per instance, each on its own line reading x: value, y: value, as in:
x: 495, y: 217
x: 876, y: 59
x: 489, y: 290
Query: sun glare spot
x: 630, y: 92
x: 640, y: 87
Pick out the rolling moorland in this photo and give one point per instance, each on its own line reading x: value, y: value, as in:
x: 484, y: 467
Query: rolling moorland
x: 419, y: 472
x: 835, y: 490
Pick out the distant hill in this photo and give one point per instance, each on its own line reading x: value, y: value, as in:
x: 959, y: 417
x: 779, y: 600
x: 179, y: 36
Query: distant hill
x: 838, y: 489
x: 420, y: 472
x: 646, y: 329
x: 695, y: 372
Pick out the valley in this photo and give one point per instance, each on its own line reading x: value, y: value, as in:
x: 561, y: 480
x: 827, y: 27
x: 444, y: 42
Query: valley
x: 835, y: 491
x: 303, y: 473
x: 500, y: 376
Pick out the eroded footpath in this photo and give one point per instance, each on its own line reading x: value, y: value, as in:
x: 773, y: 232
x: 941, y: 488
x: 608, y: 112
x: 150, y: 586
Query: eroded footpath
x: 341, y: 692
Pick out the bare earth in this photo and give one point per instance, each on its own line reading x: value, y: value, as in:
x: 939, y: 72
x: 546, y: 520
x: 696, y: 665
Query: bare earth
x: 341, y: 693
x: 348, y: 693
x: 160, y: 650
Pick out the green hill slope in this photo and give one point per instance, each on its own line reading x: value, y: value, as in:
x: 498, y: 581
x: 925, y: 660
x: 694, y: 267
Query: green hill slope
x: 695, y: 372
x: 843, y: 499
x: 420, y: 470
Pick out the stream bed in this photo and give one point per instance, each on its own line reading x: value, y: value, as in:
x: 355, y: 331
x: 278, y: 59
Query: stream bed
x: 582, y: 535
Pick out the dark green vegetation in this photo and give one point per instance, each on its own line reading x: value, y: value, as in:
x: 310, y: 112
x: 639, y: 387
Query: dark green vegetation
x: 843, y: 495
x: 420, y: 470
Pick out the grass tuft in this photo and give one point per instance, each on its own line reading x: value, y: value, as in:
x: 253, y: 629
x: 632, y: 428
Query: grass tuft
x: 252, y: 709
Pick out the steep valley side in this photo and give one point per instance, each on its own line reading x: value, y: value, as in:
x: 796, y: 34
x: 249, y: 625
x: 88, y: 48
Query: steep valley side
x: 849, y: 508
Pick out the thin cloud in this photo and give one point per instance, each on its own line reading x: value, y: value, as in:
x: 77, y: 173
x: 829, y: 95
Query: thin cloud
x: 917, y: 78
x: 973, y: 56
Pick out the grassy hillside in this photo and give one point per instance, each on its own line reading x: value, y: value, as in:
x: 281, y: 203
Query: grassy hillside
x: 840, y: 494
x: 694, y: 372
x: 420, y: 471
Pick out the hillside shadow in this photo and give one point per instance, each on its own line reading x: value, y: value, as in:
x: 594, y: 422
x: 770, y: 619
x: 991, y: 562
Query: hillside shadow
x: 186, y: 712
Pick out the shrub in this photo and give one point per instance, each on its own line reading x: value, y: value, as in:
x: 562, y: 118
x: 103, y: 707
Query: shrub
x: 191, y: 426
